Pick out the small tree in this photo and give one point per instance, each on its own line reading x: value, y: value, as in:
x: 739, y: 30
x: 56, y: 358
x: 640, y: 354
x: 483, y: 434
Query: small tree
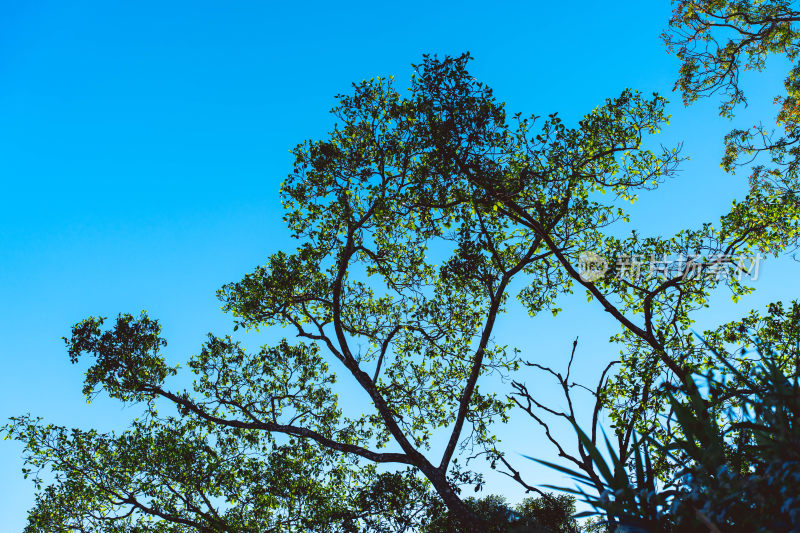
x: 548, y: 513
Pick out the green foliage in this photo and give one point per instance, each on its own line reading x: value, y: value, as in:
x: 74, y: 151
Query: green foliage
x: 417, y: 218
x: 628, y: 501
x: 735, y: 450
x: 715, y: 40
x: 548, y: 513
x: 414, y: 217
x: 718, y: 40
x: 128, y: 357
x: 159, y: 477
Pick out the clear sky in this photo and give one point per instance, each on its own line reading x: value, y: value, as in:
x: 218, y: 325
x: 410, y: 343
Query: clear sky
x: 142, y: 145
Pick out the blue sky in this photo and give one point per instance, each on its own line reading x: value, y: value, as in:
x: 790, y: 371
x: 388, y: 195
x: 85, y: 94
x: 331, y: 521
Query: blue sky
x: 142, y: 145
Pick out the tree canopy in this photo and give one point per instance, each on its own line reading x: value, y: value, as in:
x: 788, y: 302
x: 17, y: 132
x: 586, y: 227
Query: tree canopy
x: 417, y: 219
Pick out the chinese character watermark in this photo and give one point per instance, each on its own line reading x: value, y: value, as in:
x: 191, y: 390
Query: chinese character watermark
x: 633, y: 267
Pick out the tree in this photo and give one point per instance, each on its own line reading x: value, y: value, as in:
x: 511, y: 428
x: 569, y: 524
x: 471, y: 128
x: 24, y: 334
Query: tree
x: 714, y: 435
x: 716, y: 42
x: 549, y: 513
x: 415, y: 218
x: 172, y: 476
x: 439, y: 174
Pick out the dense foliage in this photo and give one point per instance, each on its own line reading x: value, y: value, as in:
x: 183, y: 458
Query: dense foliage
x: 733, y: 451
x: 547, y: 513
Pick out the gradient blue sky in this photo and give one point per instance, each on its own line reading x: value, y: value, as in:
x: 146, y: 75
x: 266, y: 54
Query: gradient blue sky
x: 142, y: 145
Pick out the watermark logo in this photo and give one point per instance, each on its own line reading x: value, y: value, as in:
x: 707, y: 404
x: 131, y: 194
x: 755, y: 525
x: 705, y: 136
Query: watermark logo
x: 592, y: 266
